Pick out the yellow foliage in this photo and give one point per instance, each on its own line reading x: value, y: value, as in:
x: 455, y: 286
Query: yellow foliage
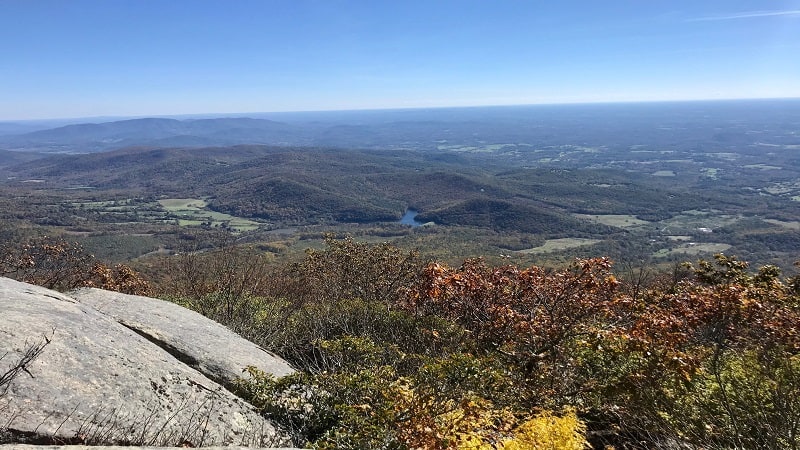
x: 475, y: 424
x: 548, y: 431
x: 468, y: 424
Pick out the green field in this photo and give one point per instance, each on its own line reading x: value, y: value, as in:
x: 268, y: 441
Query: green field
x: 490, y: 148
x: 614, y: 220
x: 692, y: 249
x: 762, y: 167
x: 554, y: 245
x: 179, y: 204
x: 679, y: 238
x: 691, y: 221
x: 192, y: 212
x: 664, y: 173
x: 790, y: 225
x: 710, y: 172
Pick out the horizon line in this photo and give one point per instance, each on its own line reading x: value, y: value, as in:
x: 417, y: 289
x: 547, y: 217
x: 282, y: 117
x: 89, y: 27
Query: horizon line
x: 114, y: 117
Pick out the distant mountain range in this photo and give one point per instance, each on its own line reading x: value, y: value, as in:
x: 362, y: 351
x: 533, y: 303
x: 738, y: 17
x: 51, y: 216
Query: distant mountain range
x: 99, y: 137
x: 653, y: 175
x: 726, y: 124
x: 421, y: 133
x: 8, y: 159
x: 300, y: 186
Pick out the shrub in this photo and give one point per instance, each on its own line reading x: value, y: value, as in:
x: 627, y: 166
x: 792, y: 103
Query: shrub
x: 347, y: 269
x: 20, y: 365
x: 722, y: 352
x: 532, y: 318
x: 57, y: 264
x: 394, y: 354
x: 376, y: 408
x: 548, y: 431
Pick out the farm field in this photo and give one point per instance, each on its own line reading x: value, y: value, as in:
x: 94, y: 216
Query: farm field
x: 194, y: 212
x: 554, y: 245
x: 614, y: 220
x: 691, y: 249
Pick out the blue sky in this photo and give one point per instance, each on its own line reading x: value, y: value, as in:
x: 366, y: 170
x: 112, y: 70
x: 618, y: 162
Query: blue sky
x: 81, y: 58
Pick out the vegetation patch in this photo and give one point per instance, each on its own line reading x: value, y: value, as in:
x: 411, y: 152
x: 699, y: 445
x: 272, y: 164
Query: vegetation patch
x: 554, y: 245
x: 790, y: 225
x: 694, y: 249
x: 394, y: 350
x: 679, y: 238
x: 727, y: 156
x: 690, y: 222
x: 614, y: 220
x: 762, y: 167
x: 784, y: 187
x: 182, y: 204
x: 193, y: 212
x: 664, y: 173
x: 490, y: 148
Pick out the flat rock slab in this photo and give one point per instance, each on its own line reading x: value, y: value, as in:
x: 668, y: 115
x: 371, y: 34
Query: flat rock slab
x: 98, y: 381
x: 198, y: 341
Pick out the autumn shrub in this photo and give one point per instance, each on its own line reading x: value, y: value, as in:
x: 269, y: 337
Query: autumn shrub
x: 346, y: 269
x: 61, y: 265
x: 712, y: 360
x: 459, y: 377
x: 742, y: 401
x: 632, y: 363
x: 119, y: 278
x: 373, y: 406
x: 346, y: 289
x: 49, y: 262
x: 549, y: 431
x: 315, y: 322
x: 224, y: 274
x: 396, y: 353
x: 536, y: 320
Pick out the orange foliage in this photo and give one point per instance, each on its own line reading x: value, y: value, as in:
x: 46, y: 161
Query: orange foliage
x: 533, y: 316
x: 528, y: 311
x: 57, y: 264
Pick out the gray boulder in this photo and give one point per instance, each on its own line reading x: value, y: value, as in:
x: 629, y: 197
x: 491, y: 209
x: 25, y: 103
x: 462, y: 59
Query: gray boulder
x: 98, y: 381
x: 198, y: 341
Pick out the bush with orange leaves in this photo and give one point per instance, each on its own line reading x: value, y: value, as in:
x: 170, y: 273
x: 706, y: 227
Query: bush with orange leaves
x: 721, y: 358
x: 395, y: 355
x: 61, y: 265
x: 531, y: 317
x: 679, y: 363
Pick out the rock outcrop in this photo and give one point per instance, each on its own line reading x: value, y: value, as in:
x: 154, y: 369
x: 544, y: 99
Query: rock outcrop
x: 198, y: 341
x: 110, y: 374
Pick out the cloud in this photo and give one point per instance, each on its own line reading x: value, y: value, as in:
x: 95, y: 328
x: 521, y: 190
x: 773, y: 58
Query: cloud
x: 747, y: 15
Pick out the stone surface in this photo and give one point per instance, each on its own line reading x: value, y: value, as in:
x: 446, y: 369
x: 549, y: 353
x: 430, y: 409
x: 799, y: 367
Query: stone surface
x: 198, y: 341
x: 98, y: 381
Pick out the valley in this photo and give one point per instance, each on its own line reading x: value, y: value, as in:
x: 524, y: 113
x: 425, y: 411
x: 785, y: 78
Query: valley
x: 641, y: 183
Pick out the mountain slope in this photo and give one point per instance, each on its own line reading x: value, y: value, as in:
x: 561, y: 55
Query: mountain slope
x: 98, y: 137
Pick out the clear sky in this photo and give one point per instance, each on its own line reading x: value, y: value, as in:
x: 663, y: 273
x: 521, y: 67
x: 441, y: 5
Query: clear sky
x: 81, y: 58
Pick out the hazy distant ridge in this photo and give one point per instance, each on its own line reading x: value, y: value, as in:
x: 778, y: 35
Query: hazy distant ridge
x: 446, y: 128
x: 97, y: 137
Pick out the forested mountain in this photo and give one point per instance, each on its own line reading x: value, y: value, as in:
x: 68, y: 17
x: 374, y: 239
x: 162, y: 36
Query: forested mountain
x: 635, y: 182
x: 716, y: 126
x: 96, y: 137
